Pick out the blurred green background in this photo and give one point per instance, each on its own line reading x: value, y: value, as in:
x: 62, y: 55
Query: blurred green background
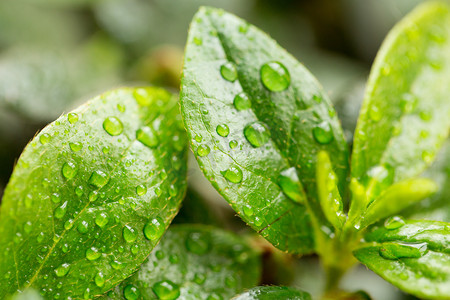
x: 56, y: 54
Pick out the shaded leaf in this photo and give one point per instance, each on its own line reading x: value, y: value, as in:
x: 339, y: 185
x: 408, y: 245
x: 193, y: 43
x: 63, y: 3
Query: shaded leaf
x: 415, y: 257
x: 256, y: 120
x: 194, y: 262
x: 273, y: 292
x: 91, y: 192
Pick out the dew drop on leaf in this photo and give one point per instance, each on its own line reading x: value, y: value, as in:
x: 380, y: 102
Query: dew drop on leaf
x: 154, y: 229
x: 93, y: 253
x: 79, y: 191
x: 68, y: 224
x: 375, y: 113
x: 291, y: 186
x: 98, y: 179
x: 116, y: 265
x: 121, y: 107
x: 166, y: 289
x: 322, y: 133
x: 83, y: 226
x: 233, y: 144
x: 214, y: 296
x: 248, y: 210
x: 223, y: 130
x: 199, y: 278
x: 242, y: 101
x: 396, y: 251
x: 394, y: 222
x: 101, y: 219
x: 60, y: 211
x: 93, y: 195
x: 62, y: 270
x: 135, y: 249
x: 72, y: 117
x: 129, y: 234
x: 203, y: 150
x: 228, y: 71
x: 55, y: 198
x: 275, y: 76
x: 69, y: 170
x: 142, y: 97
x: 113, y: 126
x: 198, y: 243
x: 141, y: 190
x: 75, y: 146
x: 233, y: 174
x: 44, y: 138
x: 130, y: 292
x: 147, y: 136
x: 99, y: 279
x: 257, y: 134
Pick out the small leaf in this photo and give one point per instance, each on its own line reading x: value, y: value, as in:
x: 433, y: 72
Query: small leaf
x: 329, y: 196
x: 81, y: 199
x: 273, y: 292
x: 405, y: 115
x: 415, y: 257
x: 396, y: 198
x: 277, y: 118
x: 194, y: 262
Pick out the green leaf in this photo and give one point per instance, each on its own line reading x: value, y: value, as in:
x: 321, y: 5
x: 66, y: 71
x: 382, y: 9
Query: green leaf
x: 256, y: 120
x: 414, y: 256
x: 273, y: 292
x: 405, y: 115
x: 93, y: 191
x: 329, y: 196
x: 397, y: 197
x: 194, y: 262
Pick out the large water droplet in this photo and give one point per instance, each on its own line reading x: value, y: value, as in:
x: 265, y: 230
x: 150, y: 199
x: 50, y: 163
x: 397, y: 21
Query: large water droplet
x: 229, y: 72
x: 93, y: 253
x: 147, y: 136
x: 98, y: 179
x: 233, y: 144
x: 223, y: 130
x: 291, y: 186
x: 203, y: 150
x: 56, y: 198
x: 396, y: 251
x: 233, y: 174
x: 116, y: 265
x: 113, y: 126
x: 198, y: 242
x: 129, y: 234
x: 61, y: 210
x: 62, y: 270
x: 322, y: 133
x: 394, y: 222
x: 242, y: 101
x: 75, y: 146
x: 130, y: 292
x: 93, y: 196
x: 141, y: 190
x: 166, y: 289
x: 69, y: 170
x: 142, y: 97
x: 72, y: 117
x: 83, y: 226
x: 275, y: 76
x: 154, y: 229
x: 45, y: 138
x: 257, y: 134
x: 99, y: 279
x: 248, y: 210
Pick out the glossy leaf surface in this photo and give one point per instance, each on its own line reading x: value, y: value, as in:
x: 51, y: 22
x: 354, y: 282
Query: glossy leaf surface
x: 194, y: 262
x: 405, y: 115
x: 91, y: 192
x: 273, y: 292
x: 256, y: 119
x: 414, y: 256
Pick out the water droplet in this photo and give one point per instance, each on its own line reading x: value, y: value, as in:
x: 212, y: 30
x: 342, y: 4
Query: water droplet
x: 257, y: 134
x: 198, y: 41
x: 62, y: 270
x: 69, y: 170
x: 93, y: 196
x: 27, y: 227
x: 427, y: 156
x: 394, y: 222
x: 93, y: 253
x: 141, y: 190
x: 275, y: 76
x: 79, y: 191
x: 230, y: 281
x: 135, y: 249
x: 214, y: 296
x: 258, y: 221
x: 116, y: 265
x: 129, y: 234
x: 55, y: 198
x: 199, y: 278
x: 408, y: 103
x: 130, y: 292
x: 68, y: 224
x: 322, y: 133
x: 375, y: 113
x: 101, y: 219
x: 147, y: 136
x: 229, y: 72
x: 113, y: 126
x: 44, y: 138
x: 233, y: 144
x: 98, y: 179
x: 166, y: 289
x: 154, y: 229
x: 248, y: 210
x: 40, y: 237
x: 76, y: 146
x: 242, y: 101
x: 121, y: 107
x: 233, y: 174
x: 65, y: 248
x: 198, y: 138
x: 174, y: 259
x: 291, y: 186
x: 223, y: 130
x: 142, y: 97
x: 72, y: 117
x: 396, y: 251
x: 106, y: 150
x: 425, y: 115
x: 198, y: 242
x: 173, y: 191
x: 61, y: 210
x: 99, y: 279
x: 83, y: 227
x: 203, y: 150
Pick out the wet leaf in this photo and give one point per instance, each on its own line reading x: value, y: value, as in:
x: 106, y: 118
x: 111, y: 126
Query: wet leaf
x: 256, y: 120
x: 273, y: 292
x: 87, y: 192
